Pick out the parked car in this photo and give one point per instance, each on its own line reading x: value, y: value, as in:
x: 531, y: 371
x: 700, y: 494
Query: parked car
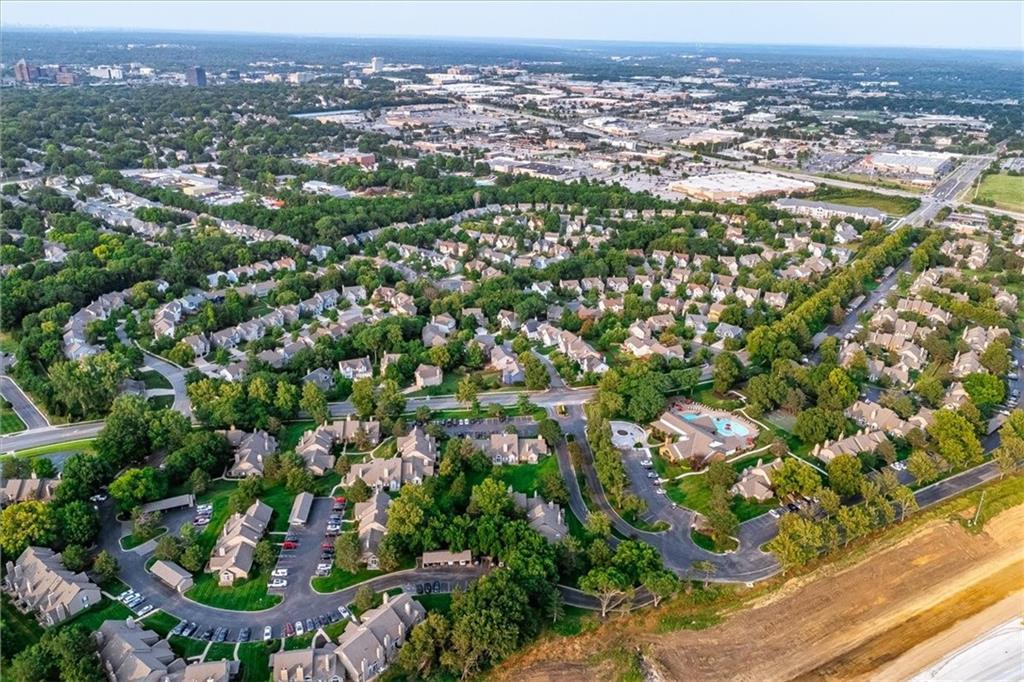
x: 345, y: 613
x: 268, y: 633
x: 244, y: 634
x: 289, y: 544
x: 300, y: 630
x: 145, y: 609
x: 279, y: 573
x: 207, y: 634
x: 289, y: 629
x: 310, y: 625
x: 179, y: 628
x: 277, y: 583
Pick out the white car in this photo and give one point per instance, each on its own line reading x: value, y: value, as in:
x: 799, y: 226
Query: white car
x: 300, y: 629
x: 145, y: 609
x: 99, y: 497
x: 323, y: 567
x: 268, y: 633
x: 774, y: 513
x: 279, y: 573
x: 277, y: 583
x: 204, y: 509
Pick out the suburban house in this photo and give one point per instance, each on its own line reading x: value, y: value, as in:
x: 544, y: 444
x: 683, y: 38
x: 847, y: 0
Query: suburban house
x: 232, y: 556
x: 755, y: 482
x: 444, y: 557
x: 23, y: 489
x: 38, y: 582
x: 379, y: 474
x: 316, y: 448
x: 547, y: 518
x: 128, y: 652
x: 371, y: 518
x: 864, y: 441
x: 428, y: 375
x: 363, y: 652
x: 418, y: 452
x: 250, y: 451
x: 510, y: 448
x: 512, y: 372
x: 358, y: 368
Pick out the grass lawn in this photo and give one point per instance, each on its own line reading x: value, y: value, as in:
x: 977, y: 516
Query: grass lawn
x: 303, y: 642
x: 154, y: 379
x: 449, y: 384
x: 84, y: 445
x: 114, y: 586
x: 10, y: 422
x: 18, y: 630
x: 132, y: 540
x: 693, y: 492
x: 95, y: 615
x: 525, y: 478
x: 220, y: 651
x: 160, y: 402
x: 339, y: 580
x: 161, y: 623
x: 1005, y: 191
x: 442, y: 603
x: 186, y: 647
x: 708, y: 543
x: 245, y: 595
x: 281, y: 501
x: 892, y: 205
x: 574, y: 621
x: 292, y: 432
x: 255, y: 659
x: 704, y: 393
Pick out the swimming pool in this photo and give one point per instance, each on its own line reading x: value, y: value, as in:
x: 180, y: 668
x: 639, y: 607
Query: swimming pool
x: 725, y: 426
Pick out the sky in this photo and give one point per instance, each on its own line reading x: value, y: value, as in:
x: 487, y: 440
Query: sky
x: 970, y: 24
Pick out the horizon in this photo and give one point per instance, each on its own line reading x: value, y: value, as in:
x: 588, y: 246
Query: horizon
x: 983, y: 26
x: 518, y: 40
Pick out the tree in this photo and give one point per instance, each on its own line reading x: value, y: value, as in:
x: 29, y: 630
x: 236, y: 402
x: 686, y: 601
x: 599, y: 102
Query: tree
x: 829, y: 501
x: 955, y: 440
x: 726, y: 371
x: 75, y: 558
x: 798, y: 541
x: 922, y: 466
x: 362, y: 397
x: 390, y: 401
x: 265, y: 554
x: 720, y: 517
x: 314, y: 402
x: 904, y: 498
x: 466, y: 391
x: 985, y: 389
x: 105, y: 566
x: 661, y: 584
x: 359, y: 491
x: 167, y: 548
x: 996, y: 358
x: 795, y: 477
x: 704, y: 568
x: 27, y: 523
x: 816, y: 425
x: 125, y: 435
x: 78, y: 523
x: 838, y: 391
x: 136, y: 486
x: 365, y: 598
x: 720, y: 474
x: 855, y: 522
x: 844, y: 474
x: 193, y: 558
x: 489, y: 498
x: 347, y: 552
x: 420, y: 656
x: 198, y: 481
x: 607, y: 584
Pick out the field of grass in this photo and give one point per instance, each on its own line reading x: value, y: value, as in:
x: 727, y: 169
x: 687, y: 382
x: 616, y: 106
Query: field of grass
x: 245, y: 595
x: 220, y: 651
x: 694, y: 493
x: 1004, y: 191
x: 292, y: 433
x: 255, y: 660
x: 892, y: 205
x: 114, y: 586
x: 707, y: 542
x: 161, y: 623
x: 339, y: 580
x: 154, y: 379
x: 186, y: 647
x: 18, y: 630
x: 131, y: 541
x: 280, y: 500
x: 84, y: 445
x: 442, y: 603
x: 525, y: 478
x: 160, y: 402
x: 9, y: 422
x: 95, y: 615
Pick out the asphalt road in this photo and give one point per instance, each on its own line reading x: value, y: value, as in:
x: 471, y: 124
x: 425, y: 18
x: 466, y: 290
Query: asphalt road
x: 49, y: 435
x: 546, y: 399
x: 21, y: 405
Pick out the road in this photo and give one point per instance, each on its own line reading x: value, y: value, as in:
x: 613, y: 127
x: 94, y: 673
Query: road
x: 546, y: 399
x: 174, y: 374
x: 22, y: 406
x: 49, y: 435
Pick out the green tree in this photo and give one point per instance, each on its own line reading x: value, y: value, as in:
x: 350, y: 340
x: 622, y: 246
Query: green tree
x: 466, y: 391
x: 955, y: 440
x: 985, y: 390
x: 27, y: 523
x: 265, y: 554
x: 75, y: 558
x: 726, y: 371
x: 844, y: 475
x: 922, y: 466
x: 105, y: 566
x: 136, y: 486
x: 661, y: 584
x: 607, y: 584
x: 795, y: 477
x: 362, y: 397
x: 365, y: 598
x: 347, y: 552
x: 421, y: 655
x: 314, y: 402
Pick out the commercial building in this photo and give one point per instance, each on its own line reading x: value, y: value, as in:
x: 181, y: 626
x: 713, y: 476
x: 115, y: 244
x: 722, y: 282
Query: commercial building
x: 739, y: 186
x: 928, y: 164
x: 196, y: 76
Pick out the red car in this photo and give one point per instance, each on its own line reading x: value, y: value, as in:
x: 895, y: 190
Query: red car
x: 339, y: 500
x: 288, y: 544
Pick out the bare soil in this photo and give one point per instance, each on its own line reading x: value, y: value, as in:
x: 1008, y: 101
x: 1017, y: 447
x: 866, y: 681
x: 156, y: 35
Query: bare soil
x: 833, y: 624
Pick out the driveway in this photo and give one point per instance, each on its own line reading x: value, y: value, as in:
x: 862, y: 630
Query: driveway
x: 22, y: 406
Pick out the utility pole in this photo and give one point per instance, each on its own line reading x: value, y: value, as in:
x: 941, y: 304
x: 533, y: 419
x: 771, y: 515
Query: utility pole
x: 977, y: 512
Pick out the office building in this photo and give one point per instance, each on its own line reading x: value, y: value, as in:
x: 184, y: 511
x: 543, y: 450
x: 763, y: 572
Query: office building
x: 196, y: 76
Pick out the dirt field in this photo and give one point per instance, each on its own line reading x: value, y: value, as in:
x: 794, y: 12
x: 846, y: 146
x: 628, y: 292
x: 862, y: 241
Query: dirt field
x: 833, y: 624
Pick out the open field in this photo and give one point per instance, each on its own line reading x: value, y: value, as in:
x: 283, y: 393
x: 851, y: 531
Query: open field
x: 893, y: 205
x: 9, y: 422
x: 1005, y: 191
x: 844, y: 619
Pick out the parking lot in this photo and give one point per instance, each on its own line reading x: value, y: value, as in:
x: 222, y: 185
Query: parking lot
x: 481, y: 428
